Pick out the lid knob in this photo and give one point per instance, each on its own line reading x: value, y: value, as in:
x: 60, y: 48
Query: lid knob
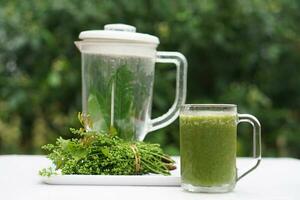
x: 119, y: 27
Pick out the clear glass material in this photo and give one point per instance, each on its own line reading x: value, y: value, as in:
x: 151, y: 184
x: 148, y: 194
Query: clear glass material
x: 117, y: 91
x: 208, y: 135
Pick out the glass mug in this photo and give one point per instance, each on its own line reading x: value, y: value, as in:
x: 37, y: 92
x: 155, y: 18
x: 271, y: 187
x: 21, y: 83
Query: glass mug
x: 208, y: 138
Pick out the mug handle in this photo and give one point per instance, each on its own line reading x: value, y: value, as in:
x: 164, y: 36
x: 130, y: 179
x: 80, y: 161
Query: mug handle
x: 181, y: 72
x: 256, y: 140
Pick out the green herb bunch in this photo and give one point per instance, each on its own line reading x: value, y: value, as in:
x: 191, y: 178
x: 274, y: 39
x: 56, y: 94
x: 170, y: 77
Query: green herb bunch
x: 95, y: 153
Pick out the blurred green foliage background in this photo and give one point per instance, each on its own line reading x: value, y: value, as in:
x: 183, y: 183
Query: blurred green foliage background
x: 245, y: 52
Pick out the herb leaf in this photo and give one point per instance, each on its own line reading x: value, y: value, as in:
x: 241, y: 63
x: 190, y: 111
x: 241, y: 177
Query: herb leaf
x: 105, y: 154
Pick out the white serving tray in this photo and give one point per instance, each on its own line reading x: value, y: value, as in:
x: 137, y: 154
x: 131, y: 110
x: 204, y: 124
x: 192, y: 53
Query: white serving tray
x: 142, y: 180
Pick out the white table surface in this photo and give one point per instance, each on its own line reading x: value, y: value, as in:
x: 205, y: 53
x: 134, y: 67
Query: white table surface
x: 274, y: 179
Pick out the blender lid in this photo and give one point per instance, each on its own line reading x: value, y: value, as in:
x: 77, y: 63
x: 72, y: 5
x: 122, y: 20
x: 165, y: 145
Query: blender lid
x: 118, y: 33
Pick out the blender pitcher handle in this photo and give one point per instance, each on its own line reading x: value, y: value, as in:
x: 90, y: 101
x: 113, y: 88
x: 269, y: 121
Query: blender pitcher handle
x: 181, y: 65
x: 256, y: 140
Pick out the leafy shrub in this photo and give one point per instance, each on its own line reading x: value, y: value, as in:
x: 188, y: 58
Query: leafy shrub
x: 242, y: 52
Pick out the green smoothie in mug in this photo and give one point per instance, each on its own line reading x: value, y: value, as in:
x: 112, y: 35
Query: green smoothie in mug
x: 208, y: 146
x: 208, y: 137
